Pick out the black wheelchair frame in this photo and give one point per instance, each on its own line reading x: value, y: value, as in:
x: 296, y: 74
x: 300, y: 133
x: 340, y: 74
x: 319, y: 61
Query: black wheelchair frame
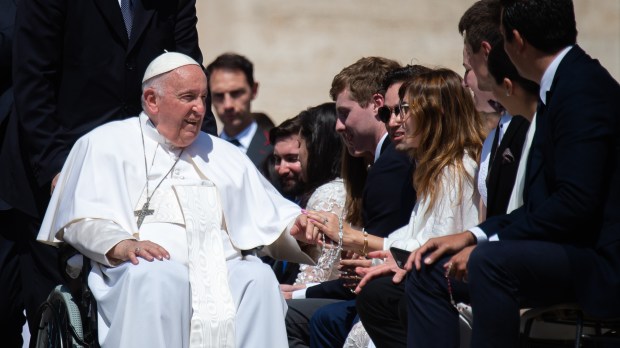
x: 68, y: 318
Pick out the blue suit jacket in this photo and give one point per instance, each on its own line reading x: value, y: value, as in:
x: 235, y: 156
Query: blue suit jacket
x: 572, y: 191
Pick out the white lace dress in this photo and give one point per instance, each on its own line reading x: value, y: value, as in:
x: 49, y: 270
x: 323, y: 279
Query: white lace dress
x: 329, y: 197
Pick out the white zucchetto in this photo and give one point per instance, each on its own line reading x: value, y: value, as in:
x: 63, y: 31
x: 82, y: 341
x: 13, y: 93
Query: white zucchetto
x: 167, y: 62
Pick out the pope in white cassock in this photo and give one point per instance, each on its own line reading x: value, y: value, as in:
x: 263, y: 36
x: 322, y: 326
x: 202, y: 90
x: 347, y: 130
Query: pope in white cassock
x: 164, y: 211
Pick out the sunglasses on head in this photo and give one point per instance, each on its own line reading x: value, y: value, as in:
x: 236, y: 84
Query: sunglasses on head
x: 385, y: 112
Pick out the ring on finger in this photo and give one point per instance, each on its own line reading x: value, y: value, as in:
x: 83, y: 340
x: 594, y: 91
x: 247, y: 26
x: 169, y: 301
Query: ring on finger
x: 325, y: 220
x: 137, y: 250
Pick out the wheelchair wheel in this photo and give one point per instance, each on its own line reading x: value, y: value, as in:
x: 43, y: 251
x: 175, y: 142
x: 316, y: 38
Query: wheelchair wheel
x: 61, y: 323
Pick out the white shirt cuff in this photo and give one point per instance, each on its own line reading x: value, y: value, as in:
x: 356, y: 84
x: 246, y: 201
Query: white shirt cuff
x: 301, y: 293
x: 479, y: 234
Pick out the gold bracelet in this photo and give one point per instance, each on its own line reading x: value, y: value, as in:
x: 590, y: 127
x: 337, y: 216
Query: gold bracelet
x: 365, y: 249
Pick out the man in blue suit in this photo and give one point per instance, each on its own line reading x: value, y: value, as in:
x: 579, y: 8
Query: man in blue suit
x: 563, y: 244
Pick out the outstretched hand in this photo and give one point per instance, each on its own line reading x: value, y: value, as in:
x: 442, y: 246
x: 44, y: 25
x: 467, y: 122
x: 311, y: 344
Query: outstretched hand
x: 438, y: 247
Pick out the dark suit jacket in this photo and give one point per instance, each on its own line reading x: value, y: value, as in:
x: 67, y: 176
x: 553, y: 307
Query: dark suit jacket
x: 572, y: 190
x: 388, y: 200
x: 7, y: 20
x: 260, y: 148
x: 504, y: 165
x: 75, y: 70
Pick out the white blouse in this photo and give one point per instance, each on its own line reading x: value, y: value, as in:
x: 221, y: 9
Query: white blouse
x: 452, y: 213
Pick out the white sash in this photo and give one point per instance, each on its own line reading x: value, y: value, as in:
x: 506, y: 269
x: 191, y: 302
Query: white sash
x: 213, y: 317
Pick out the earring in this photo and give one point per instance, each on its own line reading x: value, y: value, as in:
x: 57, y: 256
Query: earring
x: 508, y: 93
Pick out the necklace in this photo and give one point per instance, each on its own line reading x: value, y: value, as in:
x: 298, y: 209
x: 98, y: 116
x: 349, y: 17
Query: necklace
x: 142, y: 213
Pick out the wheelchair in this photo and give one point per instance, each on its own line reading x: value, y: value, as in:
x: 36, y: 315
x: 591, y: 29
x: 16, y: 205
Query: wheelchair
x: 68, y: 318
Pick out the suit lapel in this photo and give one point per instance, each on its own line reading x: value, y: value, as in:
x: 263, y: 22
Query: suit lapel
x: 111, y: 11
x: 535, y: 158
x: 385, y: 145
x: 259, y: 142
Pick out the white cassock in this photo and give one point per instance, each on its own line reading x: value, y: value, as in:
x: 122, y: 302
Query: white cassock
x: 213, y: 204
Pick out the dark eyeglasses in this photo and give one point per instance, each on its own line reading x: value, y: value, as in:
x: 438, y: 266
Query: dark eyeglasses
x: 385, y: 112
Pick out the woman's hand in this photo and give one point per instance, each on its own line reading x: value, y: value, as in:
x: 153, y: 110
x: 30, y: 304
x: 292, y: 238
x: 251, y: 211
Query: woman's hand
x: 326, y: 222
x: 353, y: 269
x: 389, y: 267
x: 130, y: 249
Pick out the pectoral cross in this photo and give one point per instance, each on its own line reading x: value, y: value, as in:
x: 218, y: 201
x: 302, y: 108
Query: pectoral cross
x: 142, y: 213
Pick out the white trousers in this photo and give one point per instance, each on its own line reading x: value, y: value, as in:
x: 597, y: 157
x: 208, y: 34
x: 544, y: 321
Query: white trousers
x: 149, y: 304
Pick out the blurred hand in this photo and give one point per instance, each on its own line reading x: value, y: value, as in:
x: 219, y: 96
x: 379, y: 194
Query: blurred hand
x: 287, y: 290
x: 457, y: 266
x: 54, y: 182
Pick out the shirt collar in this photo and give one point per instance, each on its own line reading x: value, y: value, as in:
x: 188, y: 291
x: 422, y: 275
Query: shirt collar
x: 244, y: 137
x: 150, y: 131
x: 379, y: 146
x: 547, y: 79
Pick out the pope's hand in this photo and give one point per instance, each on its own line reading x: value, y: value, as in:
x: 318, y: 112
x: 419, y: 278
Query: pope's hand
x: 304, y: 231
x: 130, y: 249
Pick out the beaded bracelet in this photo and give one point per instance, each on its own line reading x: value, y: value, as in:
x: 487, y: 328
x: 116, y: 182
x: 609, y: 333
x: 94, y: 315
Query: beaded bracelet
x: 340, y: 232
x: 365, y: 248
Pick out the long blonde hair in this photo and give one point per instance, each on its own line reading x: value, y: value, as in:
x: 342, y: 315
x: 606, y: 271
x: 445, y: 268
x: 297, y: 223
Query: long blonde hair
x: 448, y: 126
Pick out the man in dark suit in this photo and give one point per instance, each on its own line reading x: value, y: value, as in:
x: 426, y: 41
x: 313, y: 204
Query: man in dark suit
x: 388, y: 196
x: 563, y: 244
x: 233, y: 88
x: 479, y: 26
x: 11, y: 317
x: 78, y: 64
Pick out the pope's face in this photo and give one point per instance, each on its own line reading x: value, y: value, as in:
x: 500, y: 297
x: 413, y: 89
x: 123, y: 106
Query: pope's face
x: 178, y: 112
